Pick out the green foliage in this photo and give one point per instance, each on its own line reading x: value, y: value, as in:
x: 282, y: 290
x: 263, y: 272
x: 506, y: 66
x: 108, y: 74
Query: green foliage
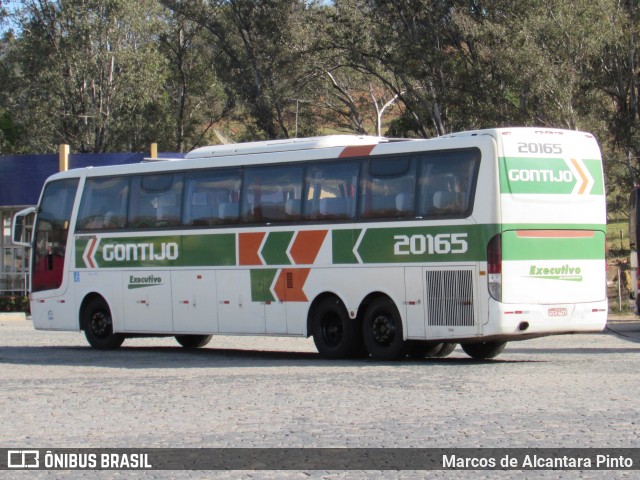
x: 116, y: 75
x: 14, y: 303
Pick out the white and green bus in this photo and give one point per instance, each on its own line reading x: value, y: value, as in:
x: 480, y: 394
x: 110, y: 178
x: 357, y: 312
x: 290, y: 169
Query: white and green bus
x: 369, y: 245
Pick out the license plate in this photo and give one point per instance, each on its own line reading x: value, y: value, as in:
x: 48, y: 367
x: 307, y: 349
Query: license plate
x: 557, y: 312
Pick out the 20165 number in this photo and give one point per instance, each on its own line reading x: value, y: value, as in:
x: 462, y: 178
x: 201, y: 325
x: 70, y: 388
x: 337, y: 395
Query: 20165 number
x: 441, y: 243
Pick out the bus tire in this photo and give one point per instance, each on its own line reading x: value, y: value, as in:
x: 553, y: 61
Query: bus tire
x: 98, y: 326
x: 429, y: 349
x: 334, y: 333
x: 483, y: 350
x: 382, y: 330
x: 446, y: 349
x: 193, y: 341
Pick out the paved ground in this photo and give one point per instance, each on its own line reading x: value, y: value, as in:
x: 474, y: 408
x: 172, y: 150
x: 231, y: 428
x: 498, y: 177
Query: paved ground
x: 568, y: 391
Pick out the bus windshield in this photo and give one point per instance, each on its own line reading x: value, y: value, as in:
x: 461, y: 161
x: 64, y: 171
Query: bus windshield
x: 52, y: 227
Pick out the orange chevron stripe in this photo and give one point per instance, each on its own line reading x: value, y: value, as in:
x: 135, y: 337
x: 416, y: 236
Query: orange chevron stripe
x: 248, y: 246
x: 585, y: 179
x: 306, y: 246
x: 290, y: 283
x: 356, y: 151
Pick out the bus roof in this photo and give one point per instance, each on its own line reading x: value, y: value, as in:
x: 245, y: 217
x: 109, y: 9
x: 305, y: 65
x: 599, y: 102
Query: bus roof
x: 314, y: 146
x: 271, y: 146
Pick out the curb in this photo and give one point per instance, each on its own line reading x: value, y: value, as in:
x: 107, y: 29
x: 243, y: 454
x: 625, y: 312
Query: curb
x: 17, y: 316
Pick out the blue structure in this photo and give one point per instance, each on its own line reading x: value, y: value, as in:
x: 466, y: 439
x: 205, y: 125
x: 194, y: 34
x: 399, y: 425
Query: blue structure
x: 21, y: 181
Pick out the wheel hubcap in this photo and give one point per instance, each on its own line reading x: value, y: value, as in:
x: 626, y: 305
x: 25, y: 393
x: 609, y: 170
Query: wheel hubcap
x: 384, y: 330
x: 99, y: 324
x: 332, y: 331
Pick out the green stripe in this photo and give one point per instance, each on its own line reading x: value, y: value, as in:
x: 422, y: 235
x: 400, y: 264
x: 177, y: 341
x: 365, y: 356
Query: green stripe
x: 342, y: 243
x: 379, y: 245
x: 214, y: 250
x: 80, y: 246
x: 261, y: 281
x: 193, y: 250
x: 423, y: 244
x: 274, y: 250
x: 545, y: 176
x: 595, y: 169
x: 524, y: 248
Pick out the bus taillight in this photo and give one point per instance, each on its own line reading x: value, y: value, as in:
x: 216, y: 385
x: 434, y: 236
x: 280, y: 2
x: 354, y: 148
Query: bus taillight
x: 494, y: 267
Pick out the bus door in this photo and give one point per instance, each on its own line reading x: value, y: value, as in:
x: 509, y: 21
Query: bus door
x: 49, y: 257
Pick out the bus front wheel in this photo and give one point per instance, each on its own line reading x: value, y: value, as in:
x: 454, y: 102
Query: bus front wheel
x: 483, y: 350
x: 334, y: 333
x: 193, y: 341
x: 382, y: 330
x: 98, y: 326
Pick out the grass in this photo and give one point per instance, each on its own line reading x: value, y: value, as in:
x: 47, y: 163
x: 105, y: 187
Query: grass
x: 618, y: 236
x: 618, y: 262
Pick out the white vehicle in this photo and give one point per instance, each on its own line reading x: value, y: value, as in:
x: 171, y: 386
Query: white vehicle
x: 365, y: 243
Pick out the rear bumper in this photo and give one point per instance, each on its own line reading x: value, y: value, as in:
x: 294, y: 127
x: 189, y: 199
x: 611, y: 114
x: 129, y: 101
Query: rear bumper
x: 527, y: 320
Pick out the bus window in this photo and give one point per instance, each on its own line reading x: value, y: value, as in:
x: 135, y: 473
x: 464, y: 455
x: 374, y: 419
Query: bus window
x: 330, y: 191
x: 388, y: 188
x: 155, y: 201
x: 272, y: 194
x: 52, y: 227
x: 447, y: 183
x: 212, y: 197
x: 104, y: 203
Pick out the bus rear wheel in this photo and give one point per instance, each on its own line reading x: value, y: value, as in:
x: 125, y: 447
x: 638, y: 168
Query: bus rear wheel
x: 193, y: 341
x: 420, y: 349
x: 483, y: 350
x: 334, y: 333
x: 382, y: 330
x: 98, y: 326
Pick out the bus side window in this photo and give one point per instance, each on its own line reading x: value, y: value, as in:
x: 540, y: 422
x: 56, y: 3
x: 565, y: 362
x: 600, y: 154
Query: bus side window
x: 155, y: 201
x: 272, y: 193
x: 447, y: 183
x: 211, y: 197
x: 104, y: 203
x: 388, y: 188
x: 330, y: 191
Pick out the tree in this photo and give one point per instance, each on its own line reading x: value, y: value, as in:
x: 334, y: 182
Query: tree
x: 197, y: 97
x: 258, y: 50
x: 88, y: 73
x: 415, y: 48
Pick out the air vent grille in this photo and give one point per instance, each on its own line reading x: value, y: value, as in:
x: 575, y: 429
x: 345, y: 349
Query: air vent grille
x: 449, y: 299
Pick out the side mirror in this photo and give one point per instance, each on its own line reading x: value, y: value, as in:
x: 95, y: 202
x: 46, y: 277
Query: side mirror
x: 20, y: 234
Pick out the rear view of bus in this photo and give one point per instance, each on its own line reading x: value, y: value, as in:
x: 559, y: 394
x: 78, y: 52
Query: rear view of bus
x: 546, y: 266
